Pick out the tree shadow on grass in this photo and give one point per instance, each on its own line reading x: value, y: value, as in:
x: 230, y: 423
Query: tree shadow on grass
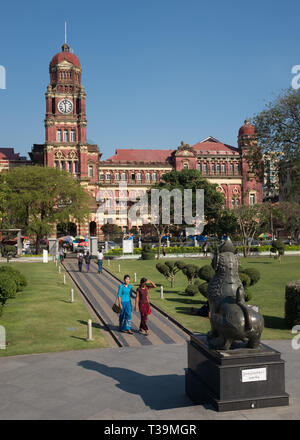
x: 187, y: 311
x: 274, y: 322
x: 259, y: 262
x: 187, y: 300
x: 77, y: 337
x: 172, y: 291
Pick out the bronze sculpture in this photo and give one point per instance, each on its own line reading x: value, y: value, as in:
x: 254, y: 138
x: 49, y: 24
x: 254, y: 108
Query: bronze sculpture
x: 230, y: 317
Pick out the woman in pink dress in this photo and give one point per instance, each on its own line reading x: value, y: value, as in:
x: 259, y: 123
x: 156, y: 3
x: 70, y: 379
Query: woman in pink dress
x: 142, y: 302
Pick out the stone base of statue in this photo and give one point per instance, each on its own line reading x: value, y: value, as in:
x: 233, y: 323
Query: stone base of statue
x: 235, y: 379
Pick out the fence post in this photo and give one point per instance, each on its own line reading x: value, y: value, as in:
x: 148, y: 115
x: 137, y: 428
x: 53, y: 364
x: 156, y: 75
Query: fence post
x: 161, y: 292
x: 119, y: 268
x: 72, y: 295
x: 64, y: 279
x: 90, y: 336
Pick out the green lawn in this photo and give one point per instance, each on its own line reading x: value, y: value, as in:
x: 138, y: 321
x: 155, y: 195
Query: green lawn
x: 42, y: 319
x: 268, y: 293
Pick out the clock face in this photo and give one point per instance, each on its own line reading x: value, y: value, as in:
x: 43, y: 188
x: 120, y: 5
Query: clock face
x: 65, y: 106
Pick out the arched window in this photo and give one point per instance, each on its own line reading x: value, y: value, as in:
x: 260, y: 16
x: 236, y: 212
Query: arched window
x: 58, y: 135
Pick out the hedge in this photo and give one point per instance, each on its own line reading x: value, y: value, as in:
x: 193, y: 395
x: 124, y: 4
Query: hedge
x: 292, y: 304
x: 191, y: 290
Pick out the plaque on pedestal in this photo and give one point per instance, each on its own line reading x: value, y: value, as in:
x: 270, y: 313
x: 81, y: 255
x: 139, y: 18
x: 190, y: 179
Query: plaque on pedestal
x: 235, y: 379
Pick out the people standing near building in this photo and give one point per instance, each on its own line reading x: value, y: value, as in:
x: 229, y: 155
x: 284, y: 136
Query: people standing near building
x: 164, y: 250
x: 87, y: 258
x: 142, y: 302
x: 80, y: 261
x: 124, y: 296
x: 100, y: 260
x: 61, y: 255
x: 205, y: 249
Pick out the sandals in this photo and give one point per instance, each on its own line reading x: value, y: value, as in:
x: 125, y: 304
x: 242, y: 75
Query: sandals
x: 127, y: 331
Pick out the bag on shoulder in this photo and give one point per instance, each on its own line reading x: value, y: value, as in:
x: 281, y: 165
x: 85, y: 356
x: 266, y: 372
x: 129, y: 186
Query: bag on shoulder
x: 116, y: 306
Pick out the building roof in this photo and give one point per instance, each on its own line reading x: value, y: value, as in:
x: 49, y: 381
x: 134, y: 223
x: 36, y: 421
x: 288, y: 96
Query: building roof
x: 65, y: 55
x: 139, y: 155
x: 212, y: 146
x: 8, y: 154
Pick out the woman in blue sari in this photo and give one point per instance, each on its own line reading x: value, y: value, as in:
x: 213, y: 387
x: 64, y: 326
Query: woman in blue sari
x: 124, y: 295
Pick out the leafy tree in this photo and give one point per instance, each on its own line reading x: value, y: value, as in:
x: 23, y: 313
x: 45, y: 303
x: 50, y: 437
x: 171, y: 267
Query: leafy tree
x: 169, y: 269
x: 278, y: 131
x: 278, y: 248
x: 181, y: 180
x: 111, y: 231
x: 41, y: 197
x: 8, y: 252
x: 191, y: 272
x: 250, y: 220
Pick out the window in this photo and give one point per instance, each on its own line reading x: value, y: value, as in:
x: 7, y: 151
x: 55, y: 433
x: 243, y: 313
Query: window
x: 231, y: 168
x: 56, y: 163
x: 75, y: 166
x: 185, y: 166
x: 139, y: 176
x: 205, y: 168
x: 124, y: 176
x: 154, y: 177
x: 223, y: 168
x: 108, y: 203
x: 101, y: 176
x: 65, y: 136
x: 218, y: 168
x: 213, y: 168
x: 117, y: 176
x: 237, y: 168
x: 199, y: 167
x: 251, y: 199
x: 58, y: 136
x: 148, y: 176
x: 107, y: 175
x: 132, y: 176
x: 90, y: 171
x: 72, y: 136
x: 70, y: 166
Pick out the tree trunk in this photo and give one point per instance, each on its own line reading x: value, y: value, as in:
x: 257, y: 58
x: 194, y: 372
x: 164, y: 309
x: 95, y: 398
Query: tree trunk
x: 159, y: 246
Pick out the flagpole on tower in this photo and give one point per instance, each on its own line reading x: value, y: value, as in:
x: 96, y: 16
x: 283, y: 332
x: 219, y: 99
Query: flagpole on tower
x: 65, y: 32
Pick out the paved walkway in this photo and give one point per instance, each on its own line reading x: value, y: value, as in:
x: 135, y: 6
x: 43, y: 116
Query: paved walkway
x: 145, y: 382
x: 101, y: 290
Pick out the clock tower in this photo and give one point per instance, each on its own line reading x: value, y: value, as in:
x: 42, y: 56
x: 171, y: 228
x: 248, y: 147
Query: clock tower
x: 65, y: 144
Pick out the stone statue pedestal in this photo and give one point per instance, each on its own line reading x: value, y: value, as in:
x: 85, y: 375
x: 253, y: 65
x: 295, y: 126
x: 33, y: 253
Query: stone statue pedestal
x: 236, y: 379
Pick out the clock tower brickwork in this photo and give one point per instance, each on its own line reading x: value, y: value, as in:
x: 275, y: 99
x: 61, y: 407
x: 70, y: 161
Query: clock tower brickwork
x: 66, y: 144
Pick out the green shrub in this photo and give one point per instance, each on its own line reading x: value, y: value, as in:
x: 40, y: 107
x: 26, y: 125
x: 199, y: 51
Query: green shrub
x: 203, y: 289
x: 197, y: 282
x: 245, y: 279
x: 8, y: 287
x: 8, y: 251
x: 248, y: 295
x: 253, y: 274
x: 148, y: 253
x: 1, y: 309
x: 292, y: 304
x: 191, y: 290
x: 190, y: 271
x: 16, y: 275
x: 206, y: 273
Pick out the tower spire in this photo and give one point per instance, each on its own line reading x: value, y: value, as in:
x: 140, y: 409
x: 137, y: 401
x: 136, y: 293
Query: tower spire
x: 65, y: 47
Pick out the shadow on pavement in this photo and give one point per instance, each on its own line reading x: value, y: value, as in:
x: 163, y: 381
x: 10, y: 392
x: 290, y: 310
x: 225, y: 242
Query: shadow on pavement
x: 158, y: 392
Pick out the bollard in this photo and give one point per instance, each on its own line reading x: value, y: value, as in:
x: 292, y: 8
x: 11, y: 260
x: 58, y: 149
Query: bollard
x: 90, y: 336
x: 134, y: 276
x: 108, y: 262
x: 72, y: 295
x: 161, y: 292
x: 119, y: 268
x: 64, y: 279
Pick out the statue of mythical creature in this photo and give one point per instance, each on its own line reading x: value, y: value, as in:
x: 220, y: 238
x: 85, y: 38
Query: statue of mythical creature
x: 230, y: 317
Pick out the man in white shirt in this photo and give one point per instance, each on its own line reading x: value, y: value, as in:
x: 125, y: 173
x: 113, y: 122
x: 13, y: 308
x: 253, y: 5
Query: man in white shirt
x: 100, y: 261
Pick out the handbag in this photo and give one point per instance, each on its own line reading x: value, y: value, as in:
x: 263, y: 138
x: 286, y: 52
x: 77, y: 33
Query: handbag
x: 116, y: 306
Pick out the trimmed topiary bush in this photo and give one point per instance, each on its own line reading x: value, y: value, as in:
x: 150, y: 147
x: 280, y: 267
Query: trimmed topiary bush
x: 245, y: 279
x: 8, y: 287
x: 203, y: 289
x: 16, y: 275
x: 206, y: 273
x: 148, y: 253
x: 191, y: 290
x: 292, y: 304
x: 191, y: 272
x: 253, y: 274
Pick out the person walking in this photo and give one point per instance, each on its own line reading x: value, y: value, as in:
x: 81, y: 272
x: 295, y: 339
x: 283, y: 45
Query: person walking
x: 61, y: 255
x: 80, y: 261
x: 124, y: 296
x: 100, y: 260
x: 87, y: 261
x: 142, y: 302
x: 205, y: 249
x: 164, y: 250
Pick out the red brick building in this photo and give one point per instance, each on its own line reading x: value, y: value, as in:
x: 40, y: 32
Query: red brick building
x: 66, y: 147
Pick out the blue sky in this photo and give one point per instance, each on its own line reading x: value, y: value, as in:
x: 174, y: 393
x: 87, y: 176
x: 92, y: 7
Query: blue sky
x: 156, y: 72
